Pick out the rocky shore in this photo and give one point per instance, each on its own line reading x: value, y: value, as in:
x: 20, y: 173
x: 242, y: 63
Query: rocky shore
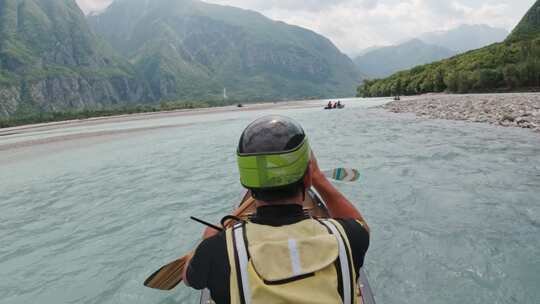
x: 509, y: 110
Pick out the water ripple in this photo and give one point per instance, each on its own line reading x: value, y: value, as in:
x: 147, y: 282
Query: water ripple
x: 453, y: 207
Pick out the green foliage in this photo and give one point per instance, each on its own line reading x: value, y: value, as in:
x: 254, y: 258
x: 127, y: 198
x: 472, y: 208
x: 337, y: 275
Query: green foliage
x: 529, y: 27
x: 498, y: 67
x: 504, y: 66
x: 512, y: 65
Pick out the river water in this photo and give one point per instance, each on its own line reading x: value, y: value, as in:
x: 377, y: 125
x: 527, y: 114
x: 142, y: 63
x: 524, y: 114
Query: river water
x: 454, y: 207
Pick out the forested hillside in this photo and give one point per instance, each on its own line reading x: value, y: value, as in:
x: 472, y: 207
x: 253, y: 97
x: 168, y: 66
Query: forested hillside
x: 189, y: 49
x: 143, y: 55
x: 511, y: 65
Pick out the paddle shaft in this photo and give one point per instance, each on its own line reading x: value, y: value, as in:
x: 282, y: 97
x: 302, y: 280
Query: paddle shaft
x: 207, y: 224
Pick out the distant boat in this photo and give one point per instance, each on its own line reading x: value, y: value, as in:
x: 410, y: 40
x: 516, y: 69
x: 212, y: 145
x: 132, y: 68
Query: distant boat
x: 341, y: 106
x: 240, y: 105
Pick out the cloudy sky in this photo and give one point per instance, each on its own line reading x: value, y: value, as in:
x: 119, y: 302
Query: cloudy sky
x: 357, y: 24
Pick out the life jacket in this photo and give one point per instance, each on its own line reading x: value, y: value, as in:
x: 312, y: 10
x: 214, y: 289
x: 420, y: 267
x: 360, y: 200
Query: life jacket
x: 306, y: 262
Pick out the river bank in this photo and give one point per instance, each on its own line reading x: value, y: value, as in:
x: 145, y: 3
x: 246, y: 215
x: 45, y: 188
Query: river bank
x: 98, y: 120
x: 508, y: 110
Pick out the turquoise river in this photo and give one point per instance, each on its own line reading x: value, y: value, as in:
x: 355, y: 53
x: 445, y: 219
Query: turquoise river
x: 89, y: 209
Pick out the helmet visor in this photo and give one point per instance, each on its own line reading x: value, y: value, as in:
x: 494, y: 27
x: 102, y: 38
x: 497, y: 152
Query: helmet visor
x: 274, y: 169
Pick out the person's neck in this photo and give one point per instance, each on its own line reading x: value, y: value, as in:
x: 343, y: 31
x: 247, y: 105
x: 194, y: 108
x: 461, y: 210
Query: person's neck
x: 297, y: 200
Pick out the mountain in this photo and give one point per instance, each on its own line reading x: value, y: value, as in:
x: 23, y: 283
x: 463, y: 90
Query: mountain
x: 511, y: 65
x: 50, y: 60
x: 529, y: 26
x: 188, y: 49
x: 385, y: 61
x: 465, y: 37
x: 365, y: 51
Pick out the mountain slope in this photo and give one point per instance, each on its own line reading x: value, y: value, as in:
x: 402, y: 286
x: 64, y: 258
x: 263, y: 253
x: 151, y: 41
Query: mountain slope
x: 191, y: 49
x: 529, y: 26
x: 385, y: 61
x: 511, y: 65
x: 51, y: 61
x: 465, y: 37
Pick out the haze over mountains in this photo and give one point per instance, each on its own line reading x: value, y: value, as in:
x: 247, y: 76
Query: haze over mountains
x: 429, y: 47
x: 141, y: 51
x: 191, y: 48
x: 385, y: 61
x: 465, y: 37
x: 513, y: 64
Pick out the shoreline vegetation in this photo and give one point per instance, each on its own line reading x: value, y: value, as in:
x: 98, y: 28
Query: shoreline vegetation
x: 511, y: 65
x: 498, y: 68
x: 508, y: 110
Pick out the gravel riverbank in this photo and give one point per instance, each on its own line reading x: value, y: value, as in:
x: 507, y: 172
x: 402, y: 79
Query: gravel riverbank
x: 509, y: 110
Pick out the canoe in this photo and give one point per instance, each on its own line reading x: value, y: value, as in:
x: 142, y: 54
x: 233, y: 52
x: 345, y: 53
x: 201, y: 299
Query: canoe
x: 332, y: 108
x: 314, y: 206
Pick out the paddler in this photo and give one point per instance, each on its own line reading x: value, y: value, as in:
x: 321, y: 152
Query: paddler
x: 281, y: 255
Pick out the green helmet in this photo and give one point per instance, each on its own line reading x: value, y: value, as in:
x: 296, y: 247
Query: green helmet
x: 273, y: 152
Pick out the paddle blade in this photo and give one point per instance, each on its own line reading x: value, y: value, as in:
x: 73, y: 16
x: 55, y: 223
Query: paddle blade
x: 343, y: 174
x: 168, y: 276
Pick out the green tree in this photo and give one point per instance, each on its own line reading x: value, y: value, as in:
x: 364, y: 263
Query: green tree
x: 438, y: 83
x: 511, y: 78
x: 451, y: 81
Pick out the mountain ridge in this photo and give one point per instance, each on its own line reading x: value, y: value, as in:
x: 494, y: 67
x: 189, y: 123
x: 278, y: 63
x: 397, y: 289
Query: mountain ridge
x: 385, y: 61
x: 465, y: 37
x: 529, y: 25
x: 239, y: 49
x: 507, y: 66
x: 428, y: 47
x: 55, y: 59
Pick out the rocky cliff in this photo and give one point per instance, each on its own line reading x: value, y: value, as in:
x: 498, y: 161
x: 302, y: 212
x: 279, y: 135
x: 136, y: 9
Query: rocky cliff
x: 50, y: 60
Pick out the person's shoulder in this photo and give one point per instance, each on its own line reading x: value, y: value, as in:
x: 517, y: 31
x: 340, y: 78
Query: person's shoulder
x: 356, y: 230
x: 353, y: 223
x: 209, y: 252
x: 212, y: 245
x: 358, y: 237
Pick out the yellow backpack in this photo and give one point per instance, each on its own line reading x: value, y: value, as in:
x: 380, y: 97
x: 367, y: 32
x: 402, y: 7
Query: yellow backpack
x: 305, y: 262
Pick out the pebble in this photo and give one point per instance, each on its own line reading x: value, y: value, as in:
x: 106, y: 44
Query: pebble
x: 508, y: 110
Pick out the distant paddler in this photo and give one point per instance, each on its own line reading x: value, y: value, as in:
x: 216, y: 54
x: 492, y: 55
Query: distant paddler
x: 282, y: 255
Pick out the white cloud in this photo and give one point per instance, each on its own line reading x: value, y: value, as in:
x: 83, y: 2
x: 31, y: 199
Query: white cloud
x: 93, y: 5
x: 356, y: 24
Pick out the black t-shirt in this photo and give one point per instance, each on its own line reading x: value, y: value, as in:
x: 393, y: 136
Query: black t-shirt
x: 210, y: 269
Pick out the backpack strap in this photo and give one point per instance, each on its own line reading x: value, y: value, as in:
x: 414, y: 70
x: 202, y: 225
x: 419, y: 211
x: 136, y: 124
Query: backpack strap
x: 344, y: 262
x: 241, y: 261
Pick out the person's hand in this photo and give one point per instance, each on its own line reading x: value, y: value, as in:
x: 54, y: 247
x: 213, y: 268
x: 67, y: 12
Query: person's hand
x: 316, y: 173
x: 209, y: 232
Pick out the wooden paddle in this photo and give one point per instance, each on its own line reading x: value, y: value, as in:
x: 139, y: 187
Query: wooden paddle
x: 170, y: 275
